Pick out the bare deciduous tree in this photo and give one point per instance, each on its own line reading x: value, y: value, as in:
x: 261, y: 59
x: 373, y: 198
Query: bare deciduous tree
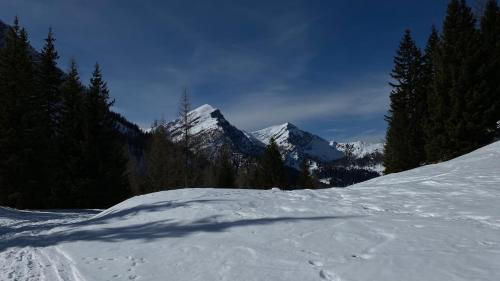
x: 186, y: 125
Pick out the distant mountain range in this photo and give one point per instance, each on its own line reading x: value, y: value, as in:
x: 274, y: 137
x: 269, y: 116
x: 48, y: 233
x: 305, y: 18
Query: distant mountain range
x: 212, y: 131
x: 359, y: 149
x: 335, y: 163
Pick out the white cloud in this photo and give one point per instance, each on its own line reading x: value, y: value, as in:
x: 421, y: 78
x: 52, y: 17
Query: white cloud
x: 268, y: 108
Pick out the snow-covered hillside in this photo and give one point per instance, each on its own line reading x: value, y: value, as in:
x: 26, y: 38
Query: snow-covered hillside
x: 296, y: 144
x: 211, y: 131
x: 358, y: 149
x: 439, y: 222
x: 362, y: 155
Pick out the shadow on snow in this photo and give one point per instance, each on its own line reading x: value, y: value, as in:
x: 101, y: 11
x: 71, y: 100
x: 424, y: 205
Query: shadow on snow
x: 13, y: 236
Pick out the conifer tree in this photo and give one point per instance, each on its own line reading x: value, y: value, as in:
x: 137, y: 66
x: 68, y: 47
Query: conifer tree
x: 435, y: 116
x: 404, y: 148
x: 487, y: 93
x: 105, y: 162
x: 456, y: 76
x: 49, y: 80
x: 159, y: 166
x: 225, y: 172
x: 271, y: 170
x: 69, y: 191
x: 20, y: 113
x: 305, y: 179
x: 48, y: 98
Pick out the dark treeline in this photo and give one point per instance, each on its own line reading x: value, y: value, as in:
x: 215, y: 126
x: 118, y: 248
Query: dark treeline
x: 62, y: 147
x: 58, y: 144
x: 445, y: 100
x: 169, y: 165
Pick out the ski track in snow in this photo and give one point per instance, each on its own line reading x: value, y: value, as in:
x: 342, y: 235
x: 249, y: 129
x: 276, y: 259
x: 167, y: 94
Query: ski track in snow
x: 439, y: 222
x: 33, y: 264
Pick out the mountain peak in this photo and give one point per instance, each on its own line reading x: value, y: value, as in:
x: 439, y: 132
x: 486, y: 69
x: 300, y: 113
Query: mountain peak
x: 288, y: 126
x: 212, y: 131
x: 203, y: 110
x: 296, y: 144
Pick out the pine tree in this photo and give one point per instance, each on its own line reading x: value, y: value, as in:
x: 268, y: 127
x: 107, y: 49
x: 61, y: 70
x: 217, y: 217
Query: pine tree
x: 271, y: 170
x: 456, y: 76
x: 305, y: 179
x: 487, y: 93
x: 436, y: 104
x: 404, y: 148
x: 49, y: 80
x: 48, y: 98
x: 70, y: 192
x: 105, y: 162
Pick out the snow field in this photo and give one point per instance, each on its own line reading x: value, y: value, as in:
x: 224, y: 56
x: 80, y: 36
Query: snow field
x: 439, y: 222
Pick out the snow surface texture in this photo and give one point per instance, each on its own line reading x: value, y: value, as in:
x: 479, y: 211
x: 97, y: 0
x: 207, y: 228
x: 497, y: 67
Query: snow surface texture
x: 439, y: 222
x: 295, y: 144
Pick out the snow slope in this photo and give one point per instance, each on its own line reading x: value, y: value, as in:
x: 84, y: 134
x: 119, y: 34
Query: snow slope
x: 439, y: 222
x: 211, y: 131
x: 296, y: 144
x: 367, y: 156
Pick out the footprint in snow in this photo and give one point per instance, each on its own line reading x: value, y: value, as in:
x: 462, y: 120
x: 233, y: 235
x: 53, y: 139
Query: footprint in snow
x: 315, y: 263
x: 327, y: 275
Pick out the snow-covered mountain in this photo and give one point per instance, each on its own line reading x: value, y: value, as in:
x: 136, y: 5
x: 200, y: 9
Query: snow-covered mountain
x: 211, y: 131
x: 358, y: 149
x: 296, y: 144
x: 361, y: 155
x: 433, y: 223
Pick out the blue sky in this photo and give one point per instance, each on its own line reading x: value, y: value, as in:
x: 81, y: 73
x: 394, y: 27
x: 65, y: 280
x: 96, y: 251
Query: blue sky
x: 321, y: 64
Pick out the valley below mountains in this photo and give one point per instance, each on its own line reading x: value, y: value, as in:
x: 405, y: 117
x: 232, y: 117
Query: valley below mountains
x: 332, y: 163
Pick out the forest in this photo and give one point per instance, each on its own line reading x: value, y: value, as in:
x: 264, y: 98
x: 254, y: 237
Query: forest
x: 445, y: 100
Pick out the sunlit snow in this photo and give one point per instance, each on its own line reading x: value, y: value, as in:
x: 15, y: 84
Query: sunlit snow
x: 439, y: 222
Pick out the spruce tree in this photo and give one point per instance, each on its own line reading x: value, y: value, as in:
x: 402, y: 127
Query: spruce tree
x: 106, y: 181
x: 435, y: 133
x: 487, y: 93
x: 404, y: 147
x: 49, y: 80
x: 456, y: 76
x: 70, y: 190
x: 48, y: 98
x: 271, y: 170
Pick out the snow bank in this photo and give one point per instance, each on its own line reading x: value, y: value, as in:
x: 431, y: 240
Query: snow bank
x: 439, y: 222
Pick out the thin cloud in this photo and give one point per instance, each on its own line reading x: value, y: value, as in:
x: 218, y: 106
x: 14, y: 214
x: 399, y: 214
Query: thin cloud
x: 270, y: 108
